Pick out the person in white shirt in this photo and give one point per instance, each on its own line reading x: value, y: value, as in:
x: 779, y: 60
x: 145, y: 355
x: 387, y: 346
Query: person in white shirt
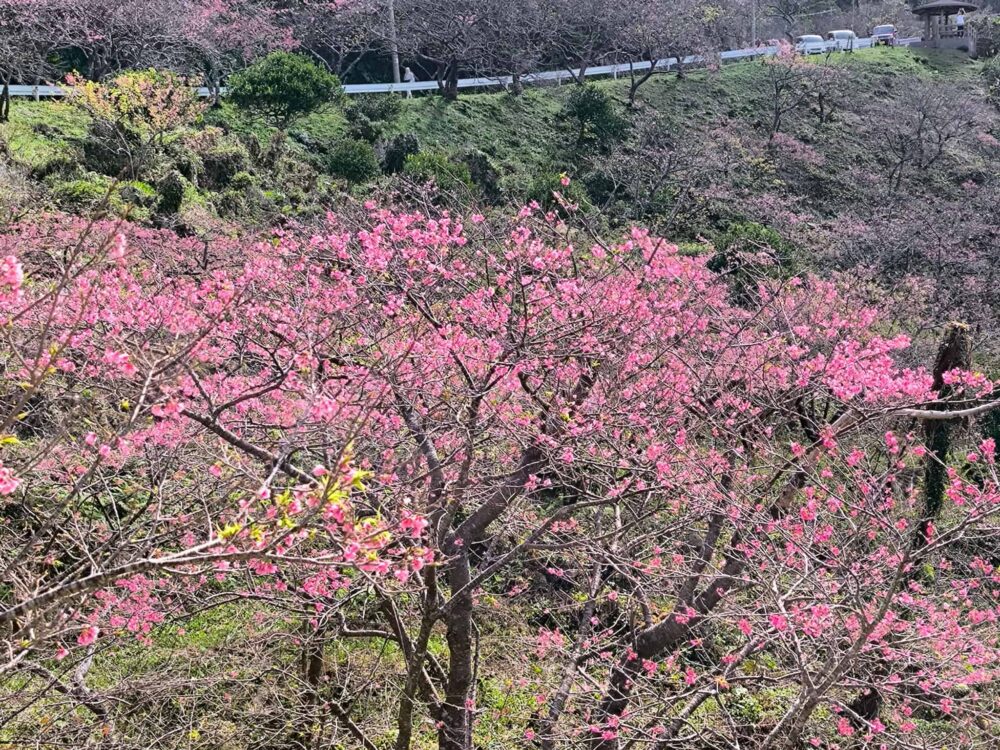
x: 960, y: 22
x: 408, y: 77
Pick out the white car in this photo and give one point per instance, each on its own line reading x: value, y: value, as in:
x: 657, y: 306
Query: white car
x: 810, y: 44
x: 844, y: 40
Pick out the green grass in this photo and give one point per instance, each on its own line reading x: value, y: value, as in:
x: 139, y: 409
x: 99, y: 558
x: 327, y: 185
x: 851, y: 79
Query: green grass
x: 515, y: 132
x: 526, y: 138
x: 40, y: 132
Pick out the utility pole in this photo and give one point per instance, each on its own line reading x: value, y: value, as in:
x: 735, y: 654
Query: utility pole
x: 394, y: 41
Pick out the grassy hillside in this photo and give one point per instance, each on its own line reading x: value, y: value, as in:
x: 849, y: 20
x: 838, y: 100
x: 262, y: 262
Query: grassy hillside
x: 850, y: 177
x: 523, y: 136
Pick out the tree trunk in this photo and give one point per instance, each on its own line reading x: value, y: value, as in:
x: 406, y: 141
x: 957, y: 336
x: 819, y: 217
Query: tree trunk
x: 955, y: 353
x: 415, y: 667
x: 5, y: 102
x: 451, y: 83
x: 313, y: 667
x: 637, y: 82
x: 455, y: 719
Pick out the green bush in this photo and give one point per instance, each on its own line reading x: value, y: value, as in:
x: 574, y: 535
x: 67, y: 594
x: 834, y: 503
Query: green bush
x: 112, y: 152
x: 437, y: 167
x: 82, y: 194
x: 60, y: 163
x: 483, y: 174
x: 369, y: 116
x: 171, y: 193
x: 743, y: 707
x: 242, y: 181
x: 987, y: 33
x: 222, y: 162
x: 544, y: 187
x: 137, y: 193
x: 283, y: 87
x: 353, y: 160
x: 249, y: 204
x: 396, y: 151
x: 593, y: 115
x: 748, y: 253
x: 132, y: 116
x: 188, y: 163
x: 991, y: 73
x: 294, y: 174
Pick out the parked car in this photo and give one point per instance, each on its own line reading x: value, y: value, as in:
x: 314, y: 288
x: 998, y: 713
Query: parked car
x: 842, y: 39
x: 810, y: 44
x: 884, y: 34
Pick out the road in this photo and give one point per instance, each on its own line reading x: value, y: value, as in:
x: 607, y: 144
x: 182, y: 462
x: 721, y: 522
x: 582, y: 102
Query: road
x: 550, y: 76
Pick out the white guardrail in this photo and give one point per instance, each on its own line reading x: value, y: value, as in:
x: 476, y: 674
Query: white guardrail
x: 550, y: 76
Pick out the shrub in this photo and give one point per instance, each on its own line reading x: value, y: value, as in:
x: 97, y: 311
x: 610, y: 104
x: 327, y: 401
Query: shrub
x: 137, y: 193
x: 369, y: 116
x: 60, y: 163
x: 353, y: 160
x: 744, y: 707
x: 483, y: 174
x: 543, y: 191
x: 171, y: 192
x: 108, y: 151
x: 748, y: 253
x: 991, y: 73
x: 188, y: 163
x: 593, y: 115
x: 222, y: 162
x: 242, y: 181
x: 437, y: 167
x: 81, y: 194
x: 131, y: 116
x: 987, y: 32
x: 249, y: 203
x: 295, y: 176
x: 283, y: 87
x: 396, y: 151
x: 146, y: 105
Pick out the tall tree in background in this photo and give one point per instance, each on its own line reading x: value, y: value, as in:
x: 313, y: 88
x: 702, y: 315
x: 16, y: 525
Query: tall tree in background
x: 224, y: 36
x: 341, y: 35
x: 583, y: 33
x: 117, y: 35
x: 443, y: 34
x: 30, y: 32
x: 514, y: 37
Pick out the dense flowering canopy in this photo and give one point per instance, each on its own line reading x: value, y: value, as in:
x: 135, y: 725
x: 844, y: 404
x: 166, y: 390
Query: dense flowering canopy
x: 408, y: 408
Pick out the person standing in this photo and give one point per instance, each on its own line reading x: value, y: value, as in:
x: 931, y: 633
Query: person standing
x: 960, y: 22
x: 408, y: 77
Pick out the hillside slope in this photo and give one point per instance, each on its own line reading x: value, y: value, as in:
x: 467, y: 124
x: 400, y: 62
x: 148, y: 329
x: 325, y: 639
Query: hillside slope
x: 886, y: 159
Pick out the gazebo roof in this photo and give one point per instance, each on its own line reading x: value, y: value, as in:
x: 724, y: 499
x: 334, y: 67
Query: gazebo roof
x: 944, y: 7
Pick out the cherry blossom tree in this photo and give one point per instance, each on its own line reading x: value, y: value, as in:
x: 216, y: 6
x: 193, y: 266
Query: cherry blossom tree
x: 30, y: 32
x: 341, y: 34
x: 385, y: 426
x: 442, y: 34
x: 223, y: 36
x: 115, y: 36
x: 667, y: 33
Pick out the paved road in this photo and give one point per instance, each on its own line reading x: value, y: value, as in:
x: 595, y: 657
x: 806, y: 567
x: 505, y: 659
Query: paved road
x: 549, y: 76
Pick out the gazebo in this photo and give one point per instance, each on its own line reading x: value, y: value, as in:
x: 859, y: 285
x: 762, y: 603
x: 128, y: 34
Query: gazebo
x: 940, y: 28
